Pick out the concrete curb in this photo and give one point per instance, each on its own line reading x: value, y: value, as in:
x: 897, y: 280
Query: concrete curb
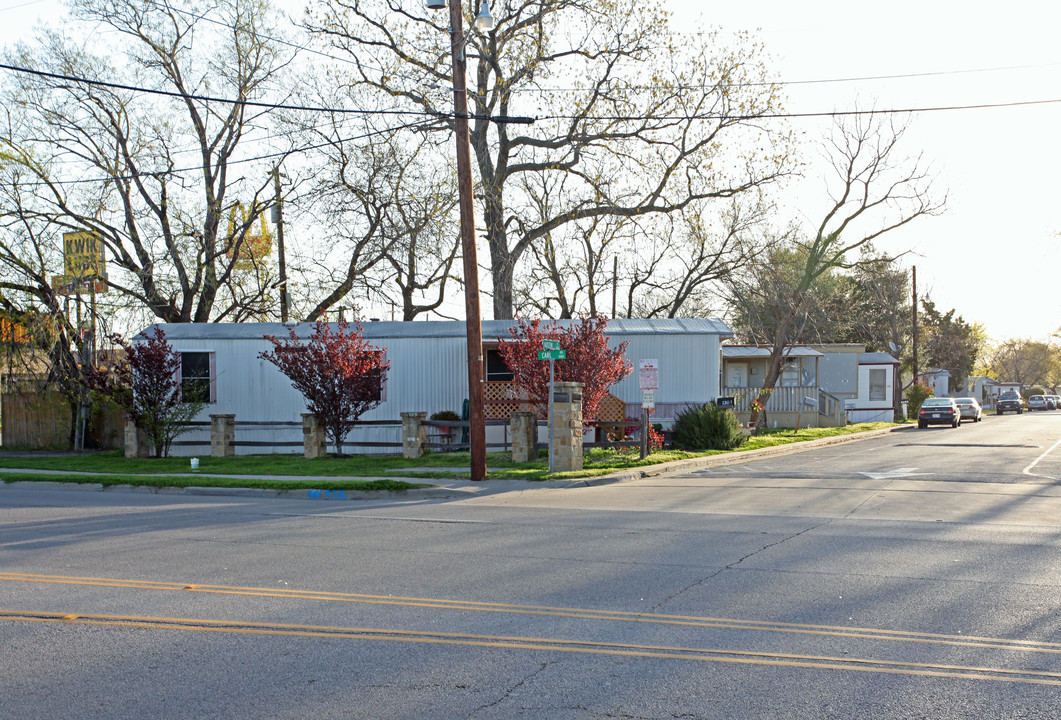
x: 734, y: 458
x: 468, y: 489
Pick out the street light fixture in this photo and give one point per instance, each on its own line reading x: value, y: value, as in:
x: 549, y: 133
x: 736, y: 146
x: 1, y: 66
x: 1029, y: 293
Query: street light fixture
x: 476, y: 416
x: 485, y: 21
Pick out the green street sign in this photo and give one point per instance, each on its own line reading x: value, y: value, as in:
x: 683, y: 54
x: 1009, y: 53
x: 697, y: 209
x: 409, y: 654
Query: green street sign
x: 550, y: 344
x: 552, y: 354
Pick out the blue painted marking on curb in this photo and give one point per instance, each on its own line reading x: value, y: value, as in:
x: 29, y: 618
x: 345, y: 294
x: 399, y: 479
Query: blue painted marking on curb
x: 327, y: 494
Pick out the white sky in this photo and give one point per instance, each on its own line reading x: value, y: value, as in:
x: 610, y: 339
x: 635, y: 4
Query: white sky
x: 993, y: 255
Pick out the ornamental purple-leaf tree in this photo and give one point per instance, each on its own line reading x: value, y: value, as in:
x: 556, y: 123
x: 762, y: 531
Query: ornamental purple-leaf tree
x: 339, y: 374
x: 146, y: 385
x: 589, y: 360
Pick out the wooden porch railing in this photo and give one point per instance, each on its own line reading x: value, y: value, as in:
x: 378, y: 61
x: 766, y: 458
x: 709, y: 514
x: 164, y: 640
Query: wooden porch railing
x: 783, y: 399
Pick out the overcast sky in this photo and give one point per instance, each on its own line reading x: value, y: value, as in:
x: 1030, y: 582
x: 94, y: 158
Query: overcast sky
x: 993, y: 255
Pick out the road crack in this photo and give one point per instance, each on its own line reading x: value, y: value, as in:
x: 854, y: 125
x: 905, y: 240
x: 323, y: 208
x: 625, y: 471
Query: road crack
x: 734, y: 564
x: 505, y: 695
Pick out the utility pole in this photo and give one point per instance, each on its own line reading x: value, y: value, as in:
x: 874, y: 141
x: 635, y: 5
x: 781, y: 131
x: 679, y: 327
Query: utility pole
x: 476, y: 414
x: 916, y: 371
x: 615, y: 283
x: 278, y: 219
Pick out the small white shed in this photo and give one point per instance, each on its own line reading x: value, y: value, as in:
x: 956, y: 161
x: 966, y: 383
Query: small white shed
x: 876, y: 385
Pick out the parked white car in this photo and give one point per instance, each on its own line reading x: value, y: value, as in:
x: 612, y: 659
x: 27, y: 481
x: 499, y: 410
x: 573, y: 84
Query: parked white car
x: 970, y: 408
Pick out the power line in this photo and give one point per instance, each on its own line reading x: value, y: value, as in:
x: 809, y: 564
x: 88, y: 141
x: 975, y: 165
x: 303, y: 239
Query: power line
x: 268, y: 156
x: 819, y: 81
x: 207, y: 98
x: 790, y: 116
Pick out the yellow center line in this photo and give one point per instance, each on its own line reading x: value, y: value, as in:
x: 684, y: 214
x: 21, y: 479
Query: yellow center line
x: 548, y: 644
x: 550, y: 611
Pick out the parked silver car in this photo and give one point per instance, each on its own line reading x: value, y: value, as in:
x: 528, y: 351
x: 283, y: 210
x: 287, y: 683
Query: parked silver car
x: 1038, y: 402
x: 970, y: 409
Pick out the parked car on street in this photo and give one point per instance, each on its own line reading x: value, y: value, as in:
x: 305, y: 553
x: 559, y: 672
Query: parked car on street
x: 970, y: 409
x: 1053, y: 401
x: 939, y: 411
x: 1037, y: 402
x: 1009, y: 402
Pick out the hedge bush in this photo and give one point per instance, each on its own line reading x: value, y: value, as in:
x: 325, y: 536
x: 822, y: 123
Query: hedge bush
x: 707, y: 427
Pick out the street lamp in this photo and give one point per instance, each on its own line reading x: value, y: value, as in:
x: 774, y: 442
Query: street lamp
x: 477, y: 421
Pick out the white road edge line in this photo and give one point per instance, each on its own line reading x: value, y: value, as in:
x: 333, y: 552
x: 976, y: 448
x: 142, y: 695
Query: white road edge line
x: 1028, y: 470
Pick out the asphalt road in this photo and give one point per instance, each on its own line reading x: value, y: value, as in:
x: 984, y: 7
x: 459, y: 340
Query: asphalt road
x: 911, y: 576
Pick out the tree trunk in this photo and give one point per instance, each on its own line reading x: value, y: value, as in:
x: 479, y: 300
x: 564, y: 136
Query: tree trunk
x: 769, y: 383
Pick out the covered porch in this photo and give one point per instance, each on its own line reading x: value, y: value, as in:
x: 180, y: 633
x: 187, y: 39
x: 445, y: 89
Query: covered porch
x: 796, y: 401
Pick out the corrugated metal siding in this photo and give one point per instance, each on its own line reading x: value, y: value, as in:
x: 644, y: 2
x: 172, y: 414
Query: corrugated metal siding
x: 492, y: 329
x: 426, y: 374
x: 688, y: 367
x: 428, y: 370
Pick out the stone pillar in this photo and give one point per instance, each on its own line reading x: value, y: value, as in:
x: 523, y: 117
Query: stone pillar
x: 523, y: 427
x: 222, y: 435
x: 136, y: 445
x: 414, y: 435
x: 567, y: 419
x: 314, y: 443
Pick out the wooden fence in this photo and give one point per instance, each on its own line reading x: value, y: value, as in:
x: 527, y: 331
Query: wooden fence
x: 42, y: 419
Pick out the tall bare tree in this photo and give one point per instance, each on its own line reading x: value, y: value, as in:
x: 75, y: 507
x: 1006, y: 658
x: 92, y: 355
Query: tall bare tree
x: 633, y: 121
x: 139, y: 144
x: 875, y: 190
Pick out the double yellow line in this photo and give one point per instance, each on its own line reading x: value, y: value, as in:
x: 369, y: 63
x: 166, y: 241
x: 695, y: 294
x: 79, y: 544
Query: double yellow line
x: 1037, y: 676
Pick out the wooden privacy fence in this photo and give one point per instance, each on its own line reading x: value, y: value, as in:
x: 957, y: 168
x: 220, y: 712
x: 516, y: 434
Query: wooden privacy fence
x: 42, y: 419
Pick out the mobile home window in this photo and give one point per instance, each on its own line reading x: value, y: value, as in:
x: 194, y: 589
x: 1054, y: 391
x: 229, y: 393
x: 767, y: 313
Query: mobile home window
x: 790, y: 373
x: 197, y: 377
x: 878, y: 384
x: 381, y: 394
x: 496, y: 369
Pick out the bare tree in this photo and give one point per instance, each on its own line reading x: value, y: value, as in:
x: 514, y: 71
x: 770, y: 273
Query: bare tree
x: 142, y: 152
x: 876, y: 190
x: 633, y: 122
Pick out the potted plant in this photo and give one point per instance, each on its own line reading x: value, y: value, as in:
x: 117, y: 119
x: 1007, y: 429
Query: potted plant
x: 445, y: 415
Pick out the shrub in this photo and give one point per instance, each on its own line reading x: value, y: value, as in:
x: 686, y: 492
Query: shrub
x: 1035, y: 390
x: 445, y: 415
x: 707, y: 427
x: 915, y: 395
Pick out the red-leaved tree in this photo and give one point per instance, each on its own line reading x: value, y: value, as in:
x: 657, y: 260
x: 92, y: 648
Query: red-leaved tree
x: 146, y: 385
x: 339, y: 374
x: 589, y: 360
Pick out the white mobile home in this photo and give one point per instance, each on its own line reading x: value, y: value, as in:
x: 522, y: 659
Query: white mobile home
x: 428, y: 372
x: 875, y: 401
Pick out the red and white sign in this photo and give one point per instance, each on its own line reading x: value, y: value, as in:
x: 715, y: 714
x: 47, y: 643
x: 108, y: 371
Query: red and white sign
x: 648, y: 374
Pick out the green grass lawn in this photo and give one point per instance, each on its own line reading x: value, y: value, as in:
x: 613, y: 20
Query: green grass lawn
x: 356, y: 472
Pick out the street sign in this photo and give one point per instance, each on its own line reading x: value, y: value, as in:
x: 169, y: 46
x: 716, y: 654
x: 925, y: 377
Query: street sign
x: 66, y: 285
x: 550, y: 344
x: 552, y: 354
x: 648, y: 374
x: 648, y: 399
x: 83, y: 256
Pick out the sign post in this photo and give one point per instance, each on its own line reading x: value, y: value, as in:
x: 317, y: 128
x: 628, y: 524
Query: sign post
x: 84, y: 267
x: 551, y: 351
x: 648, y: 379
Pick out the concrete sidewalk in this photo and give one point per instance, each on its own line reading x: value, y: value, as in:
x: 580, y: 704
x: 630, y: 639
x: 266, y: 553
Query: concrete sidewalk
x: 443, y: 489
